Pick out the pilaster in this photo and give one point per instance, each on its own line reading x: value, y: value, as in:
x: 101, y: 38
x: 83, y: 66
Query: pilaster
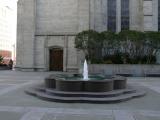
x: 83, y: 15
x: 155, y: 15
x: 26, y: 34
x: 118, y: 16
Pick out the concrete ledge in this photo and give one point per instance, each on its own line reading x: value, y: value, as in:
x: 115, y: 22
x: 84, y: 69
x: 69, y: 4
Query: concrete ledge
x: 125, y: 69
x: 24, y: 69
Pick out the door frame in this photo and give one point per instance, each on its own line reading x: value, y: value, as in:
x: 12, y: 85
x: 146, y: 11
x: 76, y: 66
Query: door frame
x: 48, y: 56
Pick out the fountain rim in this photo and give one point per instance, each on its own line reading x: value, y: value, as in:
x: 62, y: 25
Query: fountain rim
x: 70, y: 78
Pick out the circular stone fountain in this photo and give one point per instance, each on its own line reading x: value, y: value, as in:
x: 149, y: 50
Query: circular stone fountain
x: 78, y: 88
x: 97, y: 89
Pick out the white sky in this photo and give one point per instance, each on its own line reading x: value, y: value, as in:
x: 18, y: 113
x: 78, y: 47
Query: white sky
x: 12, y: 4
x: 8, y: 2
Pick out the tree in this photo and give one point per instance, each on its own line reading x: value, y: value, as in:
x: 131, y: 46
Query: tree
x: 110, y: 42
x: 90, y: 42
x: 153, y: 41
x: 132, y: 42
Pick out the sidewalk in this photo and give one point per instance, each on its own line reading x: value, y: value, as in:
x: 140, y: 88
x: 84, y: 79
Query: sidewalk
x: 16, y: 105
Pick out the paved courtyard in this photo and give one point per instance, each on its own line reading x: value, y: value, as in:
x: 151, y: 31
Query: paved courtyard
x: 16, y: 105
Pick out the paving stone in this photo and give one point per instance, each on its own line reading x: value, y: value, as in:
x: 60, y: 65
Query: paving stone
x: 10, y: 116
x: 33, y: 115
x: 76, y: 117
x: 141, y: 117
x: 4, y: 86
x: 16, y: 105
x: 14, y: 87
x: 152, y: 87
x: 123, y: 115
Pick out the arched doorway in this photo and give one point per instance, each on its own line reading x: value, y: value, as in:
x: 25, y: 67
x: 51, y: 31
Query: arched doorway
x: 56, y: 59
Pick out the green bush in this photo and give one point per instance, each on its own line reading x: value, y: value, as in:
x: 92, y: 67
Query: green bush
x: 96, y: 61
x: 1, y: 59
x: 110, y: 42
x: 90, y: 42
x: 126, y: 47
x: 107, y: 62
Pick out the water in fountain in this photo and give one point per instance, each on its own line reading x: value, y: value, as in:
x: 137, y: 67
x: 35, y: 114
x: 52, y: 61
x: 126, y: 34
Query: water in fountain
x: 85, y: 71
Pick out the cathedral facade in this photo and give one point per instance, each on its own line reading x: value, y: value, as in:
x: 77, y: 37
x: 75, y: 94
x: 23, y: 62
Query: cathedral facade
x: 46, y: 29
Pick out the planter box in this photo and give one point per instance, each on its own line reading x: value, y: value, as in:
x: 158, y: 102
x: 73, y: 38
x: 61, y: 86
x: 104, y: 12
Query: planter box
x: 125, y: 69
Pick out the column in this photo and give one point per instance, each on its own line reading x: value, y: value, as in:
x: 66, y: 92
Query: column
x: 118, y: 16
x: 26, y: 34
x: 83, y: 15
x: 155, y: 14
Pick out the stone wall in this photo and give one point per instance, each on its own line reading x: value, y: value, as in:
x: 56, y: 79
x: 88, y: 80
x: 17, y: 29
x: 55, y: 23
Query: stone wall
x: 46, y: 24
x: 143, y: 15
x: 56, y: 16
x: 133, y: 70
x: 150, y: 10
x: 98, y: 15
x: 25, y: 34
x: 57, y: 23
x: 43, y: 24
x: 44, y: 43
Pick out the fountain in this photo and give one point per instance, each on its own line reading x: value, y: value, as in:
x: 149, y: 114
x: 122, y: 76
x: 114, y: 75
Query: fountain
x: 85, y: 88
x: 85, y: 71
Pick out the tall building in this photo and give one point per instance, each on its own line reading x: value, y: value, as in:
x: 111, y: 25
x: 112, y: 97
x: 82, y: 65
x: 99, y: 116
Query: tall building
x: 7, y: 37
x: 46, y: 28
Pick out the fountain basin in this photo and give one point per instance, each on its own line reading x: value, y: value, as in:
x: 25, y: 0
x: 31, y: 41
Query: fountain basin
x: 96, y: 83
x: 105, y: 85
x: 97, y: 89
x: 74, y: 85
x: 119, y: 83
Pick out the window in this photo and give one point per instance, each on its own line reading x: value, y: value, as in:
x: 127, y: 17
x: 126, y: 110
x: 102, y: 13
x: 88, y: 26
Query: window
x: 112, y: 15
x: 124, y: 14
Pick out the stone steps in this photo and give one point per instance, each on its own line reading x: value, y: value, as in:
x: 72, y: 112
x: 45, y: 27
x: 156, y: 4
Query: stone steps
x: 89, y: 94
x: 69, y: 97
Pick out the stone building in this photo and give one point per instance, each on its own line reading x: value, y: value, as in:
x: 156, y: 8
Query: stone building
x: 47, y: 28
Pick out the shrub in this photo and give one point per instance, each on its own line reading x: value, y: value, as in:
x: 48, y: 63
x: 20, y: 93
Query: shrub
x: 110, y: 43
x: 107, y: 62
x: 126, y: 47
x: 91, y: 43
x: 132, y: 43
x: 1, y: 59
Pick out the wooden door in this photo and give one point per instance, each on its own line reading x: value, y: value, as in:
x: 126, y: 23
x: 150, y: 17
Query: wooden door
x: 56, y: 60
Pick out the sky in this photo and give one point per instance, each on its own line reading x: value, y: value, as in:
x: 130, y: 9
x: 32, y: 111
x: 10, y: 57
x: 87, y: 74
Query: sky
x: 12, y: 4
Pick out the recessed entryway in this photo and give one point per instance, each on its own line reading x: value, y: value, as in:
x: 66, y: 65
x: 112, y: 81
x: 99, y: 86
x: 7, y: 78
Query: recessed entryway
x: 56, y: 59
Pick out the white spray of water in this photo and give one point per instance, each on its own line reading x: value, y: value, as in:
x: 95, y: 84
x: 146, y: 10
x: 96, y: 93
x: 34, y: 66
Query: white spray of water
x: 85, y: 71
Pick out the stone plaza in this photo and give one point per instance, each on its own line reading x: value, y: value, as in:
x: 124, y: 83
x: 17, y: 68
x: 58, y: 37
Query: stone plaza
x: 16, y: 105
x: 46, y: 31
